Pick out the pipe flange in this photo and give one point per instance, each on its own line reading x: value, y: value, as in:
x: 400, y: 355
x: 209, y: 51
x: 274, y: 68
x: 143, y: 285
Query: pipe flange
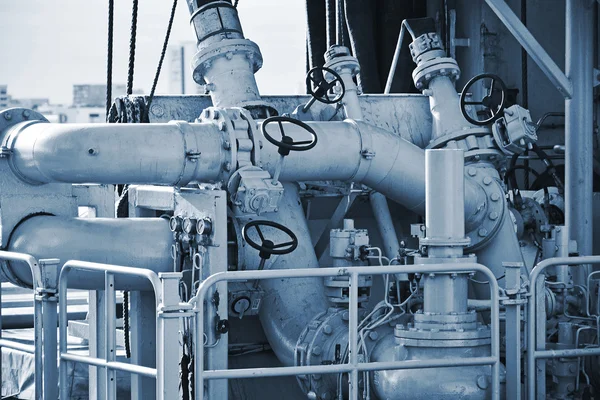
x: 446, y: 322
x: 441, y: 66
x: 494, y: 210
x: 477, y: 143
x: 205, y: 57
x: 11, y: 117
x: 478, y: 138
x: 414, y: 336
x: 324, y: 336
x: 339, y: 64
x: 239, y: 138
x: 8, y: 119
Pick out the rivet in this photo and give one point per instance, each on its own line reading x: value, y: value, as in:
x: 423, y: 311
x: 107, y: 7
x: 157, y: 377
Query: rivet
x: 472, y: 172
x: 482, y: 232
x: 345, y: 316
x: 482, y: 382
x: 487, y: 180
x: 327, y: 329
x: 26, y: 113
x: 493, y: 215
x: 229, y: 55
x: 316, y: 350
x: 373, y: 335
x: 495, y: 197
x: 7, y: 116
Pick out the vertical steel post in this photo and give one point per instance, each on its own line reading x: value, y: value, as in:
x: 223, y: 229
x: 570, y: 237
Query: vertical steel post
x: 110, y: 334
x: 97, y: 342
x: 143, y: 338
x: 47, y: 295
x: 579, y: 128
x: 513, y: 330
x: 37, y: 341
x: 353, y: 336
x: 167, y: 346
x: 62, y: 315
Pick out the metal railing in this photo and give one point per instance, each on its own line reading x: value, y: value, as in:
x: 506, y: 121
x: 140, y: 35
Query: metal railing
x: 36, y: 349
x: 354, y: 366
x: 533, y: 354
x: 109, y: 361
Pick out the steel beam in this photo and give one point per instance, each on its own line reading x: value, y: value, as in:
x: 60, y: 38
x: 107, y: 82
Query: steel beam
x: 579, y: 130
x: 532, y: 46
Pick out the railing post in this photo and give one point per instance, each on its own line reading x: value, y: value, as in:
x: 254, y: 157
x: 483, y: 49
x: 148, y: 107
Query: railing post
x: 513, y: 329
x: 47, y: 295
x: 167, y: 330
x: 110, y: 334
x: 353, y: 336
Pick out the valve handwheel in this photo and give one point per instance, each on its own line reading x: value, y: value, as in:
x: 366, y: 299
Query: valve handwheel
x: 267, y: 247
x: 321, y: 89
x: 287, y: 144
x: 489, y: 101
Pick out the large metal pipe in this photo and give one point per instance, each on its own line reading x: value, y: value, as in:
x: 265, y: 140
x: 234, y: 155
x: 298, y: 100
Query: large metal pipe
x: 178, y: 153
x: 579, y: 128
x: 289, y: 304
x: 172, y: 154
x: 135, y: 242
x: 360, y: 152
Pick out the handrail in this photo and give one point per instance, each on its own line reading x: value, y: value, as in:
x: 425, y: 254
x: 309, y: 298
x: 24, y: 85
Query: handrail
x: 532, y: 353
x: 109, y: 271
x: 36, y: 274
x: 353, y: 366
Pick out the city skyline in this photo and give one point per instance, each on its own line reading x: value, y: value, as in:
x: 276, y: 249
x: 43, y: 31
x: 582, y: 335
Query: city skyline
x: 53, y: 46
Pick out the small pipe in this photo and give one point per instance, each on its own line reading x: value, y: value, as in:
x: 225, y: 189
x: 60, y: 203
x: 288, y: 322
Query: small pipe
x: 395, y: 60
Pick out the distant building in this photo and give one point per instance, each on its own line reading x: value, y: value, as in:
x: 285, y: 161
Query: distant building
x: 91, y: 95
x: 3, y: 96
x: 180, y: 58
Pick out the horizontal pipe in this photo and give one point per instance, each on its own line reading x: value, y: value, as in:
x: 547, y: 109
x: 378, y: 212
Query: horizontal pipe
x: 567, y: 353
x: 172, y: 154
x: 360, y: 152
x: 9, y: 344
x: 178, y: 153
x: 137, y: 242
x: 113, y: 365
x: 345, y: 368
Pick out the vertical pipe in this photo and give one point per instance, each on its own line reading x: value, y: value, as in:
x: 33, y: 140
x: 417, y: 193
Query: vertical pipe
x: 49, y: 347
x: 579, y: 128
x: 383, y: 217
x: 444, y: 200
x: 339, y: 22
x: 353, y: 335
x: 513, y: 333
x: 37, y: 340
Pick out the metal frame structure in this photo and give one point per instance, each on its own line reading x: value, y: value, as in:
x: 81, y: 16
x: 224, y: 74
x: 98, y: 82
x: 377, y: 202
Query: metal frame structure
x: 165, y: 287
x: 354, y: 366
x: 534, y: 352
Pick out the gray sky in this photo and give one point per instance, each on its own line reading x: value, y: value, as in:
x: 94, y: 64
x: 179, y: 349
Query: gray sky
x: 47, y: 46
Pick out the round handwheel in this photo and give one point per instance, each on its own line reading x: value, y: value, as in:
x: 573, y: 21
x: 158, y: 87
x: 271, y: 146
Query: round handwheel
x: 268, y: 247
x: 287, y: 144
x: 321, y: 89
x: 490, y: 102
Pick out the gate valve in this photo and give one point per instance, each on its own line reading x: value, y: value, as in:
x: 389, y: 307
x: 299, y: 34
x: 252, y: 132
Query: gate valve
x: 267, y: 247
x: 287, y: 143
x: 489, y: 101
x: 320, y: 88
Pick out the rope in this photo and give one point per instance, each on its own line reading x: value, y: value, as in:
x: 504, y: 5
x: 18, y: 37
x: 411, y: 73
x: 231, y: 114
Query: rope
x: 162, y: 58
x: 132, y: 39
x: 109, y: 55
x: 126, y: 324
